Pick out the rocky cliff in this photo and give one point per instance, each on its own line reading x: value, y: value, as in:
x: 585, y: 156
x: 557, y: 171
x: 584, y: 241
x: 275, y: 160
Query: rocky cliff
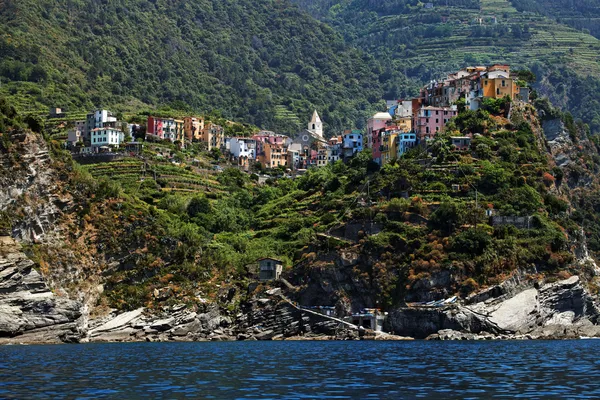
x: 29, y: 311
x: 528, y: 310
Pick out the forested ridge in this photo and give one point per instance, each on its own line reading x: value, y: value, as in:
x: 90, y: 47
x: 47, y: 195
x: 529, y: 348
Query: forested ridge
x: 249, y: 60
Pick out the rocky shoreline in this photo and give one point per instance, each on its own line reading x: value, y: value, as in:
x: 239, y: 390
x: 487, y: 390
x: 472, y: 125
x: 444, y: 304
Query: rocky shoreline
x: 517, y: 309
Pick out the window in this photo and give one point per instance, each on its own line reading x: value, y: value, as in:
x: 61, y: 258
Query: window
x: 498, y: 91
x: 427, y: 120
x: 437, y: 128
x: 437, y: 121
x: 427, y: 129
x: 485, y: 83
x: 503, y: 83
x: 437, y: 113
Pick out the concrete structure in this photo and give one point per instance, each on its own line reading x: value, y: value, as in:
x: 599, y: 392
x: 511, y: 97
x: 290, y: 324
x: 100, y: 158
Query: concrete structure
x: 74, y: 136
x: 269, y: 269
x: 56, y: 112
x: 369, y: 318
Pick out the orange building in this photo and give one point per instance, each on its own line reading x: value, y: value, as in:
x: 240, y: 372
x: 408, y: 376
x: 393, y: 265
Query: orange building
x: 273, y: 156
x: 192, y: 128
x: 213, y: 135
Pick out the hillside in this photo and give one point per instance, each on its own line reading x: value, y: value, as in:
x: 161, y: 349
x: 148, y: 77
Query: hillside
x: 581, y: 15
x: 261, y: 62
x: 427, y: 43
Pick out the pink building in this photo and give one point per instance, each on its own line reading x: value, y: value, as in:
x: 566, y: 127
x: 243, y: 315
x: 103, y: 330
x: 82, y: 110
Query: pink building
x: 375, y: 123
x: 270, y: 138
x: 431, y: 120
x: 155, y: 127
x: 377, y: 144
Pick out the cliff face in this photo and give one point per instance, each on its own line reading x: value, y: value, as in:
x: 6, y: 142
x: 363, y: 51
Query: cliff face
x: 33, y: 193
x: 40, y: 300
x: 518, y: 310
x: 29, y: 311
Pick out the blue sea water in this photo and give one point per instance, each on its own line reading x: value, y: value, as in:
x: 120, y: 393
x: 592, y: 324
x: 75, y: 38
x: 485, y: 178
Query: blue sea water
x: 303, y: 370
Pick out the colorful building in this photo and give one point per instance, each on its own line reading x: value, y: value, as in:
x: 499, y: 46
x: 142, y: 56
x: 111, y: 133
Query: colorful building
x: 192, y: 128
x: 273, y: 156
x: 375, y: 123
x: 405, y: 142
x: 352, y: 143
x: 213, y: 135
x: 431, y: 120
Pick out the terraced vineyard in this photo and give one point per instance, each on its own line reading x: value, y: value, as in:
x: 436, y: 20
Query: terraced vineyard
x: 136, y: 176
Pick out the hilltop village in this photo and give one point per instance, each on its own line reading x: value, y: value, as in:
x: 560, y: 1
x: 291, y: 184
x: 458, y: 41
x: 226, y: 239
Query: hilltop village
x: 390, y: 134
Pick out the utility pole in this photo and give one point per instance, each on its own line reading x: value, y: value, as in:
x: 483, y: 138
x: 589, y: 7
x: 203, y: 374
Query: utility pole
x: 476, y: 208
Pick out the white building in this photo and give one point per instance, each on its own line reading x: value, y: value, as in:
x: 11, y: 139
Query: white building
x: 98, y: 119
x: 315, y: 125
x: 169, y: 132
x: 243, y: 147
x: 106, y: 137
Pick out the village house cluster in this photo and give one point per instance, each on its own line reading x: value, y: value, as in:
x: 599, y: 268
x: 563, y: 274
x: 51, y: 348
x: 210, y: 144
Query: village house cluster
x: 307, y: 149
x: 390, y: 134
x: 408, y: 123
x: 99, y: 130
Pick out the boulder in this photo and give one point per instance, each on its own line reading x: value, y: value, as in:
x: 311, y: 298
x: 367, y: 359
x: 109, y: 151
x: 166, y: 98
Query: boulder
x: 265, y: 335
x: 120, y: 321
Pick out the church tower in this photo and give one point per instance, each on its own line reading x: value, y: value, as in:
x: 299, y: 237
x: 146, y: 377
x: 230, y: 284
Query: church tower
x: 315, y: 125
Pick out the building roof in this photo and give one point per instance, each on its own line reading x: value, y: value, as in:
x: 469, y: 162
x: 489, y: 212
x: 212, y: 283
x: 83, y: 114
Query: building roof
x: 315, y: 118
x: 106, y: 128
x: 269, y: 258
x: 382, y: 115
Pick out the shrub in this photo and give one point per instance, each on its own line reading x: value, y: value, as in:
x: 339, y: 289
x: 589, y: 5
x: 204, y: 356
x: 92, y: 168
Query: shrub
x: 472, y: 241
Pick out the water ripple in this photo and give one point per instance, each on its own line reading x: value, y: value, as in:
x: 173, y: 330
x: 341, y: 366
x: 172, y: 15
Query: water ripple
x: 303, y: 370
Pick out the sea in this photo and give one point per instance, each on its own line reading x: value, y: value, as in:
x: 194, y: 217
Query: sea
x: 303, y: 370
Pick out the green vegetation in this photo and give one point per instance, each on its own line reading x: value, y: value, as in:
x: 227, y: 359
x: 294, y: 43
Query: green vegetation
x: 244, y: 59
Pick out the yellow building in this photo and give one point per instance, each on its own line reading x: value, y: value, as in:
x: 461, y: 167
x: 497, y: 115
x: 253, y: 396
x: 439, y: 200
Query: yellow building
x: 497, y: 83
x: 404, y: 123
x: 389, y: 146
x: 179, y: 131
x: 213, y: 135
